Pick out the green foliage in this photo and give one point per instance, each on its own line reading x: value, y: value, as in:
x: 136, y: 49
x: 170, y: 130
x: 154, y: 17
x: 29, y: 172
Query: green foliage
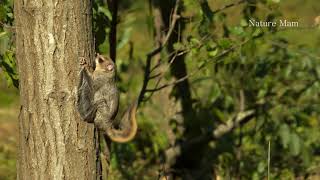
x: 7, y: 61
x: 8, y: 72
x: 7, y: 162
x: 279, y: 79
x: 8, y: 64
x: 140, y: 157
x: 281, y: 83
x: 232, y: 67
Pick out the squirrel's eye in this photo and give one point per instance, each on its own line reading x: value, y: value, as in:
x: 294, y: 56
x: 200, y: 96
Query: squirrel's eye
x: 100, y: 60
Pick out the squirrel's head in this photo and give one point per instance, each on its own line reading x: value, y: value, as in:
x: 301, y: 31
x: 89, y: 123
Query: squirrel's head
x: 106, y: 65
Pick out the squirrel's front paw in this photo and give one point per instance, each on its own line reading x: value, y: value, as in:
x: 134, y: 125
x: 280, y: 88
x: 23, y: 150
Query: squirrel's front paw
x: 83, y: 62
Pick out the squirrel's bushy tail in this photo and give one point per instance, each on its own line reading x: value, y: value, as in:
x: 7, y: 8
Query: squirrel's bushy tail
x: 127, y: 128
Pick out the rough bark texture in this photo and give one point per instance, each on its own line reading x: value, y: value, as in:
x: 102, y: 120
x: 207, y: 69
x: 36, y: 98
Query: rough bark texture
x: 53, y: 142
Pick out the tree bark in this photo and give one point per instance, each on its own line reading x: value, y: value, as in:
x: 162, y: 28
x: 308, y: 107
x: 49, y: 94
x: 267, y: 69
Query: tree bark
x: 53, y: 142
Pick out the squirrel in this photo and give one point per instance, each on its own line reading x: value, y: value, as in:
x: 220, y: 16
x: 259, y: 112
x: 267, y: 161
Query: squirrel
x: 98, y: 100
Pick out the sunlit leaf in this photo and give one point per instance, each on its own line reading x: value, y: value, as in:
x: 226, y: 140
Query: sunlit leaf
x: 213, y: 53
x: 105, y: 11
x: 225, y: 43
x: 124, y: 38
x: 295, y: 144
x: 284, y: 133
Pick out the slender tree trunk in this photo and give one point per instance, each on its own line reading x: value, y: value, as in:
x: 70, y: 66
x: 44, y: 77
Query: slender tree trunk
x: 178, y: 68
x: 184, y: 164
x: 53, y: 142
x: 113, y: 8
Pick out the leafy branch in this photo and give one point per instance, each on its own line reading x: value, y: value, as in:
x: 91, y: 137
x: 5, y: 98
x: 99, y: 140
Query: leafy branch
x: 154, y: 52
x: 222, y: 54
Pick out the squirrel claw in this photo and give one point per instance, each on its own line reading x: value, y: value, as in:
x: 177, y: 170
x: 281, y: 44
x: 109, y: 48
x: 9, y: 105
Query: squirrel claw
x: 83, y: 61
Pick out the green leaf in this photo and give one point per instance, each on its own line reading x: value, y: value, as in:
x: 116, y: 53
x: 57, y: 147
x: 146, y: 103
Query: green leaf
x: 105, y: 11
x: 261, y: 166
x: 260, y: 123
x: 255, y: 176
x: 295, y: 144
x: 194, y: 41
x: 238, y: 30
x: 318, y: 70
x: 257, y: 32
x: 273, y: 1
x: 219, y: 114
x: 178, y: 46
x: 262, y: 93
x: 124, y: 38
x: 287, y: 71
x: 201, y: 64
x: 284, y: 132
x: 10, y: 15
x: 4, y: 41
x: 213, y: 53
x: 3, y: 34
x: 9, y: 80
x: 225, y: 43
x: 214, y: 93
x: 243, y: 23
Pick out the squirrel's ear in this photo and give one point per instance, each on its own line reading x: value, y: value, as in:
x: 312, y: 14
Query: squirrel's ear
x: 100, y: 60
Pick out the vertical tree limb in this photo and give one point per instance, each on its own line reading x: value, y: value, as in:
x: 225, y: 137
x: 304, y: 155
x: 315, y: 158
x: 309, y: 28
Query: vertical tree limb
x: 113, y: 8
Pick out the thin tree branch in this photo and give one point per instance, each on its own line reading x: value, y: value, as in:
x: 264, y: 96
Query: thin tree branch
x: 174, y: 56
x: 150, y: 55
x: 10, y: 28
x: 286, y: 46
x: 155, y: 76
x: 175, y: 17
x: 177, y: 53
x: 242, y: 100
x: 228, y: 6
x: 240, y: 119
x: 223, y: 53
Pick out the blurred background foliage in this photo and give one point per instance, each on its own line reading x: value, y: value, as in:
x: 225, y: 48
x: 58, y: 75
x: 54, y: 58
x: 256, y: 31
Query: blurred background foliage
x: 8, y: 93
x: 231, y: 66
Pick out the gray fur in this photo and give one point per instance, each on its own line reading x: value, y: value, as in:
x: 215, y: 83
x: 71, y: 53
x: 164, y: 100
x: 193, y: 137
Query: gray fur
x: 98, y: 101
x: 98, y: 97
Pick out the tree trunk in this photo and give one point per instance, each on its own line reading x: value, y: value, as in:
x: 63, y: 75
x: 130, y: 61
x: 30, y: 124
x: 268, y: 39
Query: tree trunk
x: 53, y: 142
